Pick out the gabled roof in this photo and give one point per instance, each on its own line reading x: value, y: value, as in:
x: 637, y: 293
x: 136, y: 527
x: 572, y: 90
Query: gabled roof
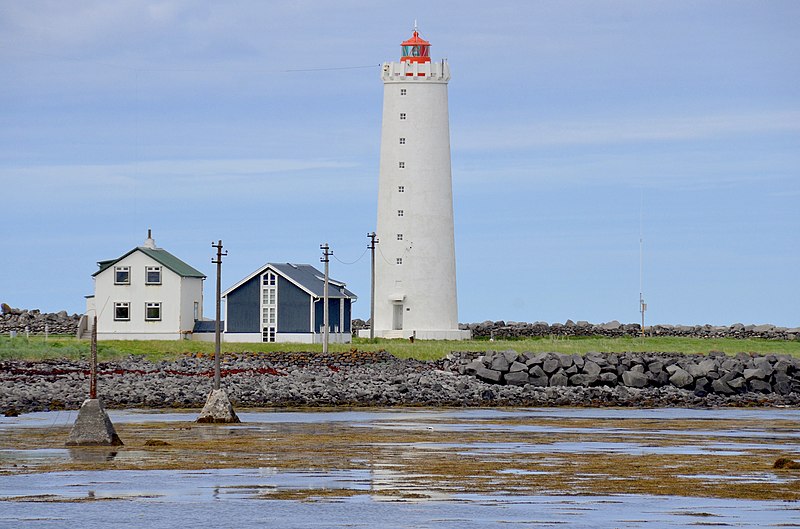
x: 161, y: 256
x: 304, y: 276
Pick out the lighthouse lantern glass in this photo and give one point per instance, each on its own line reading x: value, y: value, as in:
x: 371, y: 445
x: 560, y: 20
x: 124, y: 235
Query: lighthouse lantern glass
x: 416, y: 50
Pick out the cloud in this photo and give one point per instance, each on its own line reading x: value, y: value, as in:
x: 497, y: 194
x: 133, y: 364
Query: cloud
x: 611, y: 131
x: 170, y: 177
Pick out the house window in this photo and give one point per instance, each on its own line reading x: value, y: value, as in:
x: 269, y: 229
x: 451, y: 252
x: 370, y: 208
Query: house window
x: 402, y: 165
x: 402, y: 115
x: 401, y: 189
x: 153, y: 275
x: 269, y: 306
x: 399, y: 260
x: 402, y: 141
x: 122, y: 275
x: 196, y: 310
x: 402, y: 91
x: 122, y: 311
x: 399, y: 212
x: 152, y: 311
x: 399, y: 236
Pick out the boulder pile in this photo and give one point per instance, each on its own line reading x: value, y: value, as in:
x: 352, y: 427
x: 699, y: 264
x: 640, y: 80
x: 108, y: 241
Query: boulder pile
x: 702, y: 374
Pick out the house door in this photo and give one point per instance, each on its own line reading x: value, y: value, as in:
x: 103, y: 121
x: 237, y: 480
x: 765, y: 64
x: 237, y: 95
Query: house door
x: 397, y: 317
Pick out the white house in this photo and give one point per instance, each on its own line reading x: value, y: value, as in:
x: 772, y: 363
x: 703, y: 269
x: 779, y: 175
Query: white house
x: 147, y: 294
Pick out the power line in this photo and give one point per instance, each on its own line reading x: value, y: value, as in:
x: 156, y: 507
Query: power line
x: 352, y: 262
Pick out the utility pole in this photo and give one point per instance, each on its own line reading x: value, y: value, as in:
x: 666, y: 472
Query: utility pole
x: 218, y: 262
x: 326, y: 253
x: 93, y: 373
x: 642, y: 304
x: 372, y: 243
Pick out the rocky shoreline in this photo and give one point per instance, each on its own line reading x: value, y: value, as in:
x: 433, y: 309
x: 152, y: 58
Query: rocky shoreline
x: 359, y: 378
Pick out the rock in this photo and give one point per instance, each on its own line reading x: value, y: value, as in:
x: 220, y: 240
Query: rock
x: 610, y: 326
x: 634, y: 379
x: 156, y: 442
x: 608, y: 379
x: 489, y: 375
x: 582, y: 379
x: 551, y: 365
x: 591, y: 368
x: 785, y: 462
x: 93, y: 427
x: 718, y: 386
x: 752, y: 374
x: 764, y: 365
x: 518, y: 366
x: 537, y: 371
x: 218, y: 409
x: 516, y: 378
x: 472, y: 367
x: 759, y: 386
x: 559, y: 379
x: 500, y: 363
x: 681, y: 378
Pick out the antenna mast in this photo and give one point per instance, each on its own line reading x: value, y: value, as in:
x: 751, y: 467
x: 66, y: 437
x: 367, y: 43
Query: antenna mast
x: 642, y: 304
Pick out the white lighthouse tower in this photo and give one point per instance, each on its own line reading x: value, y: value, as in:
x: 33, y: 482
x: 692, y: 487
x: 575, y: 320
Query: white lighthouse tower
x: 415, y: 275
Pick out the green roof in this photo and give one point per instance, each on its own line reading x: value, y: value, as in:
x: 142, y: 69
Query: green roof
x: 162, y: 256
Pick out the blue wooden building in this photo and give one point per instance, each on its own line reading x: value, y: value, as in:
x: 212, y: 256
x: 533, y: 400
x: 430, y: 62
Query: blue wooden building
x: 283, y: 302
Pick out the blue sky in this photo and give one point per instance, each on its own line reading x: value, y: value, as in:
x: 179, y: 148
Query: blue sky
x: 574, y: 125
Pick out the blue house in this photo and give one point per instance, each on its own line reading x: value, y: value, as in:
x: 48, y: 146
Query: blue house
x: 283, y: 302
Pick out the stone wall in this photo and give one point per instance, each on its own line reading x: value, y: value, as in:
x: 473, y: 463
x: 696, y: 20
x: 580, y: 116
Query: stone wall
x: 511, y: 329
x: 713, y: 373
x: 34, y: 321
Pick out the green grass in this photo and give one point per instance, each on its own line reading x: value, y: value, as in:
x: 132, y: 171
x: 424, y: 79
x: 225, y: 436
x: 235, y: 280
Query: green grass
x: 37, y: 348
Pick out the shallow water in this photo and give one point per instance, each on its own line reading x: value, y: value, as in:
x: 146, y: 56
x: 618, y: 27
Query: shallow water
x: 391, y: 486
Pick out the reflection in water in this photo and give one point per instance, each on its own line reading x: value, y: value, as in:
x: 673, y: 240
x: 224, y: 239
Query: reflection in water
x: 92, y: 454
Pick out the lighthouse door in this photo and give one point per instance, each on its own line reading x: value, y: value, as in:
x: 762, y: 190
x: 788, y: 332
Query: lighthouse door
x: 397, y: 317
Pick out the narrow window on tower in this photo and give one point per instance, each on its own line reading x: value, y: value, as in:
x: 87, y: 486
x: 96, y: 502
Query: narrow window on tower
x: 399, y: 212
x: 399, y: 236
x: 399, y: 260
x: 401, y: 189
x: 402, y: 91
x: 402, y: 165
x: 402, y: 115
x: 402, y: 141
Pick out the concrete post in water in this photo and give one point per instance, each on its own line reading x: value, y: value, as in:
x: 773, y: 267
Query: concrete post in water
x: 93, y: 427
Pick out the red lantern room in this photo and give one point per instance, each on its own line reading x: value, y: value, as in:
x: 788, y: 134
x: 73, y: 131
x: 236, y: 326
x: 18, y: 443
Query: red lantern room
x: 416, y: 49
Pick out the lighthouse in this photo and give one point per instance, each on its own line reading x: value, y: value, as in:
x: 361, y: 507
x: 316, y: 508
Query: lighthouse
x: 415, y: 270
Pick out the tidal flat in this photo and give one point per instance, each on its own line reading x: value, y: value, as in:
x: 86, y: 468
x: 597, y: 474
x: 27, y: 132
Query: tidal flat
x: 627, y: 466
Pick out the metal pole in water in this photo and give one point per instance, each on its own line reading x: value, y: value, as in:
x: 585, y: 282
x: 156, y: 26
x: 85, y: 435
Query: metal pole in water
x: 217, y: 347
x: 93, y: 375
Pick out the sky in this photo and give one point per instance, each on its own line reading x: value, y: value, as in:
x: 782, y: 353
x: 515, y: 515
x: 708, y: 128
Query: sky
x: 599, y: 148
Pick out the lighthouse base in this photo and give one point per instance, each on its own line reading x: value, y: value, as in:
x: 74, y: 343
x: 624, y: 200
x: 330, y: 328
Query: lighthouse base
x: 405, y: 334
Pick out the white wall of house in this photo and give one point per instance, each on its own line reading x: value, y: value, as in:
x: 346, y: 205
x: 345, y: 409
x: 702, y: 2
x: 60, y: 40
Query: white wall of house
x: 191, y: 293
x: 174, y: 294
